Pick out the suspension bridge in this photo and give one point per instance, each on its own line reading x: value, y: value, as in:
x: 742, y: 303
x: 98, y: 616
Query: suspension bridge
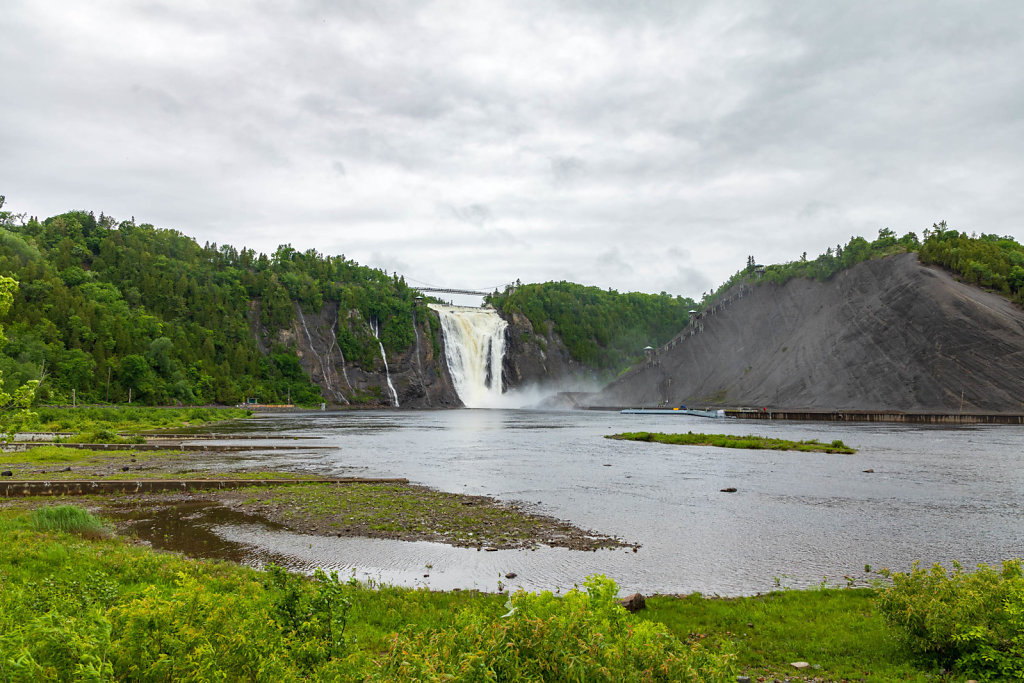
x: 432, y: 289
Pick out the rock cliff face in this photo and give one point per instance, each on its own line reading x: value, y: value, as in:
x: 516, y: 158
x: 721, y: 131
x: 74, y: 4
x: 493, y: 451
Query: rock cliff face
x: 534, y: 359
x: 888, y: 334
x: 419, y: 375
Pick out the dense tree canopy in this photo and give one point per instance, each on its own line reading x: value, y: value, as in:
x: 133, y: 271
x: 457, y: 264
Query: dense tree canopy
x: 106, y: 308
x: 603, y: 329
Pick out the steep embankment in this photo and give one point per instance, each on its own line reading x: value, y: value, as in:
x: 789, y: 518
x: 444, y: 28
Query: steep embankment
x: 886, y: 334
x: 419, y: 374
x: 532, y: 358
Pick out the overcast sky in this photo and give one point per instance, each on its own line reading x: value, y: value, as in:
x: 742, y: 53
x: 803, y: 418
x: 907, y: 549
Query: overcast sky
x: 635, y: 145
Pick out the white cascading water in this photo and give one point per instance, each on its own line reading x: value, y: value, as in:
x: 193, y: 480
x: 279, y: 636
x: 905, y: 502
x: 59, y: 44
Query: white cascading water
x: 474, y: 346
x: 387, y: 373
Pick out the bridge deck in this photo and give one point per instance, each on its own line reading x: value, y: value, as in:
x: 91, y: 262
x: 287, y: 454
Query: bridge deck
x: 439, y: 290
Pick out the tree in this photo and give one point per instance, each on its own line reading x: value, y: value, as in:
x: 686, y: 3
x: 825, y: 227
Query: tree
x: 15, y: 405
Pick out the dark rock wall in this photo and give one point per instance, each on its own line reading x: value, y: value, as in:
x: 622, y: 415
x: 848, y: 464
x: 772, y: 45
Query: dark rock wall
x: 531, y: 358
x: 420, y: 376
x: 888, y: 334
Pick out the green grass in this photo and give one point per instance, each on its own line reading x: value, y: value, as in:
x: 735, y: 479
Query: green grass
x: 65, y: 518
x: 72, y: 608
x: 79, y: 607
x: 838, y: 631
x: 730, y: 441
x: 128, y: 419
x: 48, y: 462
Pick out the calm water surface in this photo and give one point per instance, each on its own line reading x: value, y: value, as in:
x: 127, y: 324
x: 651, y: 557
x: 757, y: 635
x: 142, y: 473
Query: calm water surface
x: 936, y: 494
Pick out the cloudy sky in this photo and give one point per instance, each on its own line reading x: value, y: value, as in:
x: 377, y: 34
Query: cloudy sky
x: 636, y: 145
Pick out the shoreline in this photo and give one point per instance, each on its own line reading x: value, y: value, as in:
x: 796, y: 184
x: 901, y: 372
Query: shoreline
x: 896, y: 416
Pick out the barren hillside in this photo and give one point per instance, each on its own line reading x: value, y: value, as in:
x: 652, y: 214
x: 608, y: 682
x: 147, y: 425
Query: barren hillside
x: 887, y: 334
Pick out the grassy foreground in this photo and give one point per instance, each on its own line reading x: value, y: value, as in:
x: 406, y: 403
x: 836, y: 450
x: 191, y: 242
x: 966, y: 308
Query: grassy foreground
x: 730, y: 441
x: 76, y: 604
x: 125, y: 419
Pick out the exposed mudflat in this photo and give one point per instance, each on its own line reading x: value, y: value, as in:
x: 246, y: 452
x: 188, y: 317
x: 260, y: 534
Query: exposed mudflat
x: 371, y: 510
x: 392, y: 511
x: 888, y: 334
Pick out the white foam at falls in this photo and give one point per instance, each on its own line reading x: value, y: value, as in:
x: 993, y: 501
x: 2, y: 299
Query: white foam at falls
x: 474, y: 346
x: 387, y: 373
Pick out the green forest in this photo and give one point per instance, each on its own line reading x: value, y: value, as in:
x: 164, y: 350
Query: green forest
x: 107, y: 311
x: 112, y: 311
x: 603, y: 329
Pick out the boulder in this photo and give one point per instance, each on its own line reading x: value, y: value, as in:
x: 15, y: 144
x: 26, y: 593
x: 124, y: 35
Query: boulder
x: 633, y: 603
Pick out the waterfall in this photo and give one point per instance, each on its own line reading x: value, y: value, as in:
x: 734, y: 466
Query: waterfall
x: 376, y: 335
x: 474, y: 346
x: 328, y: 386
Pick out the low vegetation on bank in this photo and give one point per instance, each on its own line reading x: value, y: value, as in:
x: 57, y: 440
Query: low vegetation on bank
x: 730, y: 441
x: 966, y: 621
x: 106, y: 421
x: 79, y: 609
x: 77, y: 604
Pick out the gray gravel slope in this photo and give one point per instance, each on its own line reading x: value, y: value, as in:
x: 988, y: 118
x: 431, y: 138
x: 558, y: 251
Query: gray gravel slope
x: 888, y: 334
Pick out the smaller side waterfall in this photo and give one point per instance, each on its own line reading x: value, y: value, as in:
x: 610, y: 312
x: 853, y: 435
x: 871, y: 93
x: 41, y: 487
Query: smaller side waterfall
x: 474, y: 346
x: 376, y: 335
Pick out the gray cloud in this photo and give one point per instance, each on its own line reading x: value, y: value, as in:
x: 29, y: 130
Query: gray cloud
x: 475, y: 214
x: 478, y: 143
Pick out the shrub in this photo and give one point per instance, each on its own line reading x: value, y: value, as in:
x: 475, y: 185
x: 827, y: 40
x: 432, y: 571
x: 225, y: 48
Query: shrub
x: 197, y: 634
x: 66, y: 518
x: 585, y: 636
x: 972, y: 621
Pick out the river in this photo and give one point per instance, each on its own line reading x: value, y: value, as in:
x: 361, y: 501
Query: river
x: 935, y: 494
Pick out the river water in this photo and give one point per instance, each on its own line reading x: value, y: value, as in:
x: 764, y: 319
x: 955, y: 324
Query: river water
x: 936, y: 494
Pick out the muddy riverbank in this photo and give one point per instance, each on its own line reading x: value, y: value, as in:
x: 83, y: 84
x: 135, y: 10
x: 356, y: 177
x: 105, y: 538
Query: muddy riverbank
x: 381, y: 510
